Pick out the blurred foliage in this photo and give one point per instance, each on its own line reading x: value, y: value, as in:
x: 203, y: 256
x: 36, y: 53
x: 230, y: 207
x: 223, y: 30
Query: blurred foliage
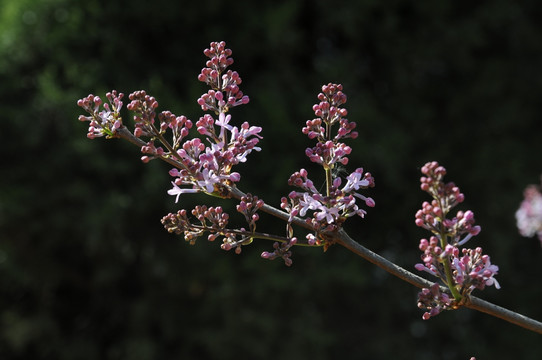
x: 86, y: 271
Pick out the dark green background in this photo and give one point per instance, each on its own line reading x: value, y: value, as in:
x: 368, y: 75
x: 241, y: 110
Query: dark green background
x: 86, y: 270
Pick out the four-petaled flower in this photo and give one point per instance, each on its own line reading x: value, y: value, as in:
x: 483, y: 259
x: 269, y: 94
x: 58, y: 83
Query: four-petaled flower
x: 355, y: 181
x: 308, y: 203
x: 177, y: 191
x: 208, y: 181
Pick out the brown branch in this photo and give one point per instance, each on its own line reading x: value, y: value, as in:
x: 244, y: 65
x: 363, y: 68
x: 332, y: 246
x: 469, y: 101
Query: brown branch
x: 474, y: 303
x: 343, y: 239
x: 505, y: 314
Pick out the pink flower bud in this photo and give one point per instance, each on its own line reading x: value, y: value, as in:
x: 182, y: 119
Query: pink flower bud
x: 138, y: 132
x: 420, y: 267
x: 423, y: 244
x: 475, y: 230
x: 449, y: 250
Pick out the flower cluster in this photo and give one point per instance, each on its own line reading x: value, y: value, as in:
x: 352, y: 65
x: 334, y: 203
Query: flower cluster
x: 203, y: 163
x: 224, y: 86
x: 460, y: 270
x: 200, y: 165
x: 329, y: 210
x: 103, y: 122
x: 434, y: 300
x: 249, y: 207
x: 471, y: 269
x: 281, y: 250
x: 529, y: 214
x: 206, y: 166
x: 329, y: 151
x: 214, y: 221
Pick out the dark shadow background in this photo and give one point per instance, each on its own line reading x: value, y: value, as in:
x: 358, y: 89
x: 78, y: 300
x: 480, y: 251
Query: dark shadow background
x: 86, y: 270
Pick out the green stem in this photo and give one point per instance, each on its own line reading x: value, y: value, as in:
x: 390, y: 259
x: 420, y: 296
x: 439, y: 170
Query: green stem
x: 329, y: 181
x: 328, y: 168
x: 255, y: 235
x: 446, y: 260
x: 449, y: 279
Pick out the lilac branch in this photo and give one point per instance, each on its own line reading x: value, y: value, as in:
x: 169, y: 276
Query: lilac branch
x: 210, y: 172
x: 343, y: 239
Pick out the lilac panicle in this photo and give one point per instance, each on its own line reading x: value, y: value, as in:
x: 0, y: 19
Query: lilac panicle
x: 212, y: 219
x: 203, y: 163
x: 329, y: 151
x: 461, y: 270
x: 281, y: 250
x: 326, y: 212
x: 433, y: 300
x: 225, y: 92
x: 207, y: 166
x: 103, y: 121
x: 249, y: 206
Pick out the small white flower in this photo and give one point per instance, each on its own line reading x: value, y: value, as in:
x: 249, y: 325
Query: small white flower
x: 177, y: 191
x: 209, y: 180
x: 330, y: 214
x: 354, y: 182
x: 308, y: 203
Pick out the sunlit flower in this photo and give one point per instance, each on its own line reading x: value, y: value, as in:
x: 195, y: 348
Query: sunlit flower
x: 177, y: 191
